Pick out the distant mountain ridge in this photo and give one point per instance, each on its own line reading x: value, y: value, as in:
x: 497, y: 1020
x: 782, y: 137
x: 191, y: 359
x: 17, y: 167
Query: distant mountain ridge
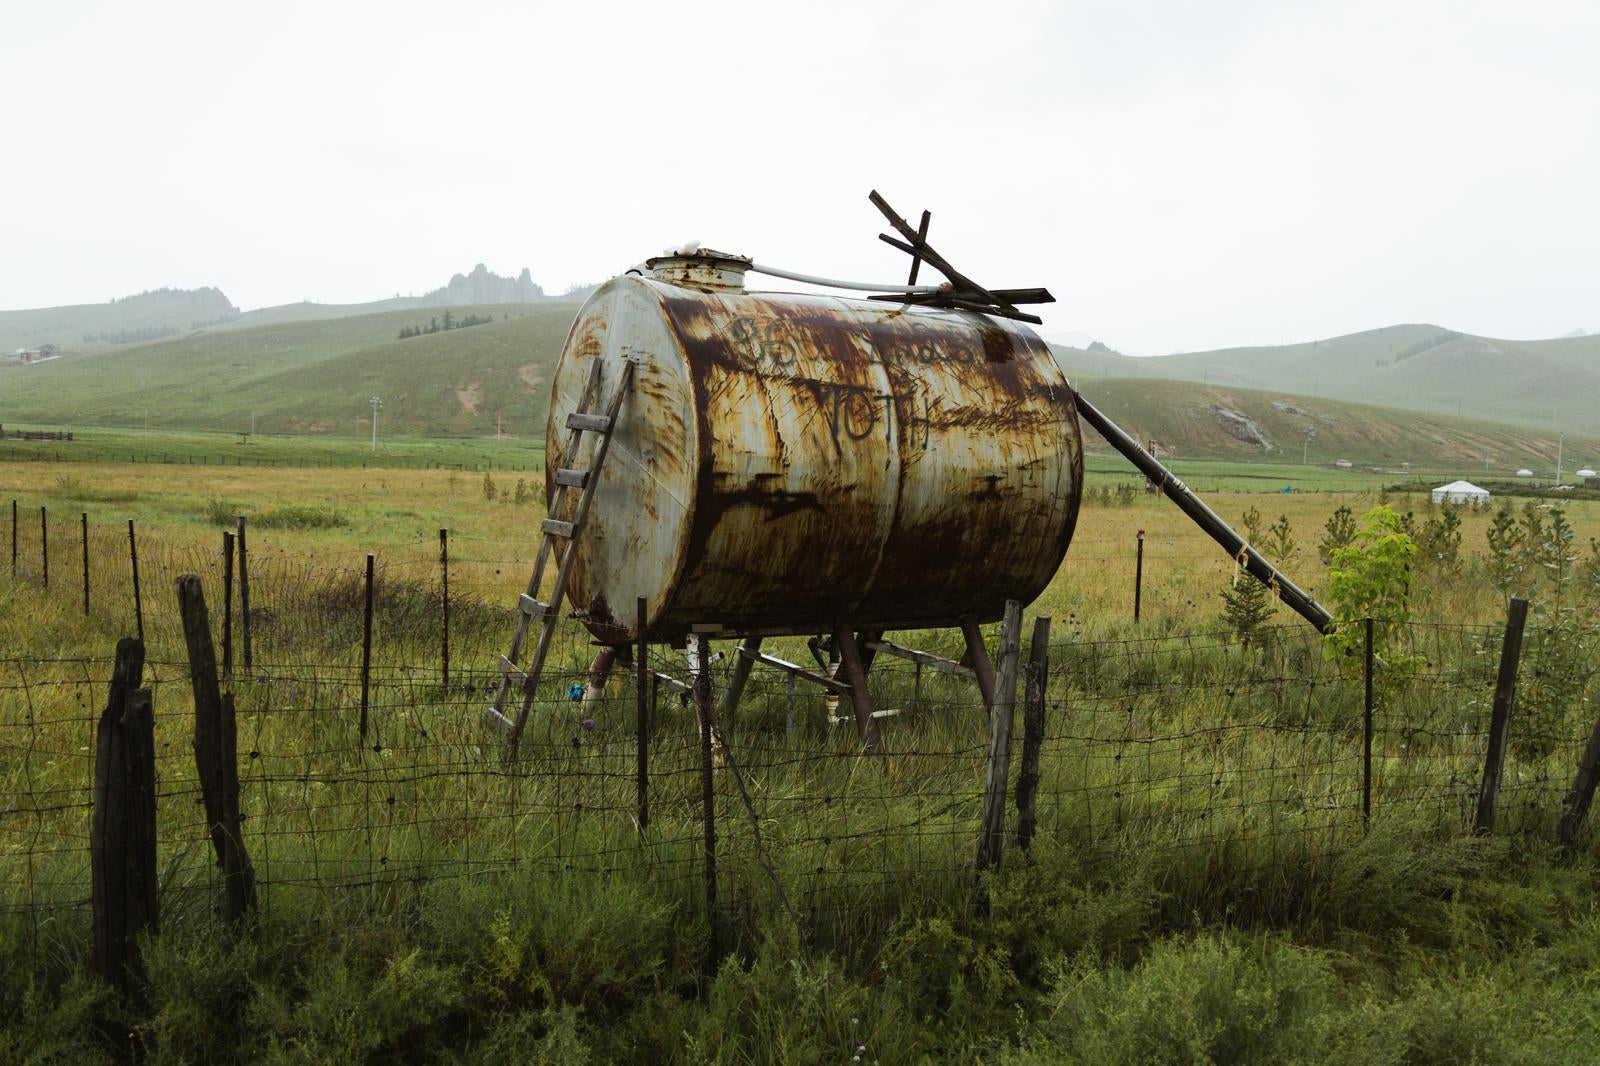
x: 166, y: 312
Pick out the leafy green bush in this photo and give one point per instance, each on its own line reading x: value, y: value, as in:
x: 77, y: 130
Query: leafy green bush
x: 1371, y: 578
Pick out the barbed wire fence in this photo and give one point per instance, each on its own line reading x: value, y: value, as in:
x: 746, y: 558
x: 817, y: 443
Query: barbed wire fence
x: 1214, y: 759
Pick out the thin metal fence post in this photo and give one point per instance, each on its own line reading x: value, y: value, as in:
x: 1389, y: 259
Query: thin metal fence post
x: 227, y: 604
x: 708, y: 794
x: 85, y: 528
x: 641, y: 659
x: 1366, y: 733
x: 1138, y: 575
x: 44, y: 545
x: 366, y: 653
x: 244, y: 596
x: 1505, y: 693
x: 138, y: 605
x: 444, y: 606
x: 13, y: 538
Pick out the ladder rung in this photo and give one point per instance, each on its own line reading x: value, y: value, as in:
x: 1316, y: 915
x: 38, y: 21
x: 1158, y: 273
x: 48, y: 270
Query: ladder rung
x: 591, y: 423
x: 498, y: 720
x: 513, y: 671
x: 575, y: 478
x: 557, y: 527
x: 531, y: 607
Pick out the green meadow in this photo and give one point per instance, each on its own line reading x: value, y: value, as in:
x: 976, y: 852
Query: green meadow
x: 1202, y: 884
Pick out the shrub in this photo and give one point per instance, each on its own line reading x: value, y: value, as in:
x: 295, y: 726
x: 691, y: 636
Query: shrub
x: 1371, y: 578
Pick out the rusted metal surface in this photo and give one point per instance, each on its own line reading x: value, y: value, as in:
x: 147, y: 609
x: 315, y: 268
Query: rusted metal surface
x: 787, y: 462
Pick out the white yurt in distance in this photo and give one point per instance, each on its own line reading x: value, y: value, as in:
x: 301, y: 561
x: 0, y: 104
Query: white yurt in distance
x: 1460, y: 492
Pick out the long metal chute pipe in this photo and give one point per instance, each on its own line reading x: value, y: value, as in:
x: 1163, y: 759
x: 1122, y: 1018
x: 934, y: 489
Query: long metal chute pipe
x: 833, y: 283
x: 1207, y: 519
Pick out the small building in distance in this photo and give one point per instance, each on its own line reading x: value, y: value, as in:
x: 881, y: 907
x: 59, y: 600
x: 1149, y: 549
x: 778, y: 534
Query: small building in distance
x: 1524, y: 472
x: 1343, y: 464
x: 1460, y: 492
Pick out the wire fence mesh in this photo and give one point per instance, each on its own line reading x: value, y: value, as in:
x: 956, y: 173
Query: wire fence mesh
x: 1197, y: 749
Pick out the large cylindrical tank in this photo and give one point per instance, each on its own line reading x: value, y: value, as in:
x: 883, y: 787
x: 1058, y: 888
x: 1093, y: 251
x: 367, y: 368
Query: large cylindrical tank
x: 784, y: 462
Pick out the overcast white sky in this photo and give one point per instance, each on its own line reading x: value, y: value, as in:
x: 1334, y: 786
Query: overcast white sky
x: 1181, y: 175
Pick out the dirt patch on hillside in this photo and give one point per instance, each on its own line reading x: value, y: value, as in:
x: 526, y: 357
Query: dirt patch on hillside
x: 532, y: 380
x: 470, y: 397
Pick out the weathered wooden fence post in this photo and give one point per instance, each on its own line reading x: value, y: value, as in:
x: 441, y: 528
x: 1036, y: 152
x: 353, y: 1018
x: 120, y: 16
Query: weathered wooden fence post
x: 244, y: 597
x: 138, y: 605
x: 991, y: 839
x: 1505, y: 692
x: 216, y: 753
x: 1366, y: 731
x: 366, y: 653
x: 708, y: 786
x: 444, y: 606
x: 122, y: 841
x: 1583, y: 784
x: 1033, y: 731
x: 641, y: 660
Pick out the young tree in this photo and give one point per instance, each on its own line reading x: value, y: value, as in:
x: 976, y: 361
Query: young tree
x: 1371, y: 578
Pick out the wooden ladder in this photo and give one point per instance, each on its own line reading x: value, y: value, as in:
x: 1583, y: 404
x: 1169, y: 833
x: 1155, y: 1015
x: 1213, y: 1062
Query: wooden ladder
x: 559, y: 539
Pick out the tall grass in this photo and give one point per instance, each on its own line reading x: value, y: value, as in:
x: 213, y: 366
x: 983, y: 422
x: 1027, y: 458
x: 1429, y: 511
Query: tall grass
x: 1203, y: 885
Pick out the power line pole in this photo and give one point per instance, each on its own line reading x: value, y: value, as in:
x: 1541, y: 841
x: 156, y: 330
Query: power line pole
x: 377, y: 405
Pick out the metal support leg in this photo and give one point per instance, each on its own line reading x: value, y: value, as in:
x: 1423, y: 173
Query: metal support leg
x: 736, y: 680
x: 978, y: 653
x: 844, y: 639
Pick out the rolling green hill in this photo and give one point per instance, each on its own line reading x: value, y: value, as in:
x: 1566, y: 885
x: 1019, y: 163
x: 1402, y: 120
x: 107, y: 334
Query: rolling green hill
x: 1547, y: 384
x: 147, y: 316
x: 315, y: 377
x: 311, y: 377
x: 1196, y: 420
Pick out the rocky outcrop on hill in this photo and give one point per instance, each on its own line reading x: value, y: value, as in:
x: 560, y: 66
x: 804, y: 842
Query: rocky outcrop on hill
x: 483, y: 286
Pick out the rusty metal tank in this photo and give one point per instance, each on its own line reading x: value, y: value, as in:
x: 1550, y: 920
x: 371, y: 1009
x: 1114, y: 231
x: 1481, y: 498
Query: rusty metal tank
x: 786, y: 462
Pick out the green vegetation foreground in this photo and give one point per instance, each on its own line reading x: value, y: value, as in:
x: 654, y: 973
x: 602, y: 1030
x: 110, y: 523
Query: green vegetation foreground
x: 1208, y: 894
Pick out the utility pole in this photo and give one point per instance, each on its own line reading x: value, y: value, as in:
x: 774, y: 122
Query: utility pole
x: 377, y: 405
x: 1561, y: 441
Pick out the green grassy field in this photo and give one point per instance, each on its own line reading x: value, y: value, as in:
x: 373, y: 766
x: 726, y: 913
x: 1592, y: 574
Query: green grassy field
x: 1201, y: 887
x: 199, y: 448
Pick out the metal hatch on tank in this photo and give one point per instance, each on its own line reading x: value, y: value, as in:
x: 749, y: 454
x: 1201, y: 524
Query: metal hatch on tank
x: 788, y: 464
